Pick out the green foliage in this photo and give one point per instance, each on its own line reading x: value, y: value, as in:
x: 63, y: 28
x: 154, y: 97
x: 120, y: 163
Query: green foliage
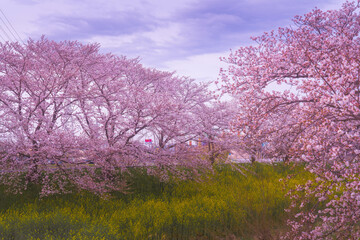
x: 221, y: 204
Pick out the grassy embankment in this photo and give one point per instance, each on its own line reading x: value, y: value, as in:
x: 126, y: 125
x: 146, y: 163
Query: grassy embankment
x: 225, y: 204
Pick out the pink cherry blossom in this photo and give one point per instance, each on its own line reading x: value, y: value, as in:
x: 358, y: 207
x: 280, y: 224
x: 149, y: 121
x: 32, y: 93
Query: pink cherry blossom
x: 73, y: 118
x: 316, y: 120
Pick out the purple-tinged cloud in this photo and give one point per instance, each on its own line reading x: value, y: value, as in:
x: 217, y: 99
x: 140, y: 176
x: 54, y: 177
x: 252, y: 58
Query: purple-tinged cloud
x: 159, y: 31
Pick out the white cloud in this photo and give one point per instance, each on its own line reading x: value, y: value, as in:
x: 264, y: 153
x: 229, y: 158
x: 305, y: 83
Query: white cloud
x: 188, y: 36
x: 166, y: 35
x: 204, y: 67
x: 113, y: 41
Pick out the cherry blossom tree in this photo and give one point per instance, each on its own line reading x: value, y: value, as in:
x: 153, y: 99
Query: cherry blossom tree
x: 64, y: 105
x: 315, y: 119
x: 36, y: 105
x: 179, y: 125
x: 214, y: 120
x: 118, y: 109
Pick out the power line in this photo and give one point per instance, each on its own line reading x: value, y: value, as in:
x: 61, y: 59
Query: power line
x: 2, y: 38
x: 19, y: 38
x: 8, y: 30
x: 7, y: 36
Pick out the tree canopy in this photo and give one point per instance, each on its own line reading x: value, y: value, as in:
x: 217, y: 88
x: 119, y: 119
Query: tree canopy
x: 64, y: 105
x: 315, y: 120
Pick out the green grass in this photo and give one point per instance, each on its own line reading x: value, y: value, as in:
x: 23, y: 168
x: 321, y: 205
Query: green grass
x: 223, y: 204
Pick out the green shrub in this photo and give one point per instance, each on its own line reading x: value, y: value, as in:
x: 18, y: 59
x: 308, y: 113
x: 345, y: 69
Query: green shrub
x: 220, y: 204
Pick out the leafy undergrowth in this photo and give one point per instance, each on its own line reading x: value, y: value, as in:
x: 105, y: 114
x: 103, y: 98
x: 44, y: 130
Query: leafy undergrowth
x: 224, y: 204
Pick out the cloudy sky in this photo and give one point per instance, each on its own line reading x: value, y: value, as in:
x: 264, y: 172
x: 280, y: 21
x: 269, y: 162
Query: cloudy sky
x: 187, y: 36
